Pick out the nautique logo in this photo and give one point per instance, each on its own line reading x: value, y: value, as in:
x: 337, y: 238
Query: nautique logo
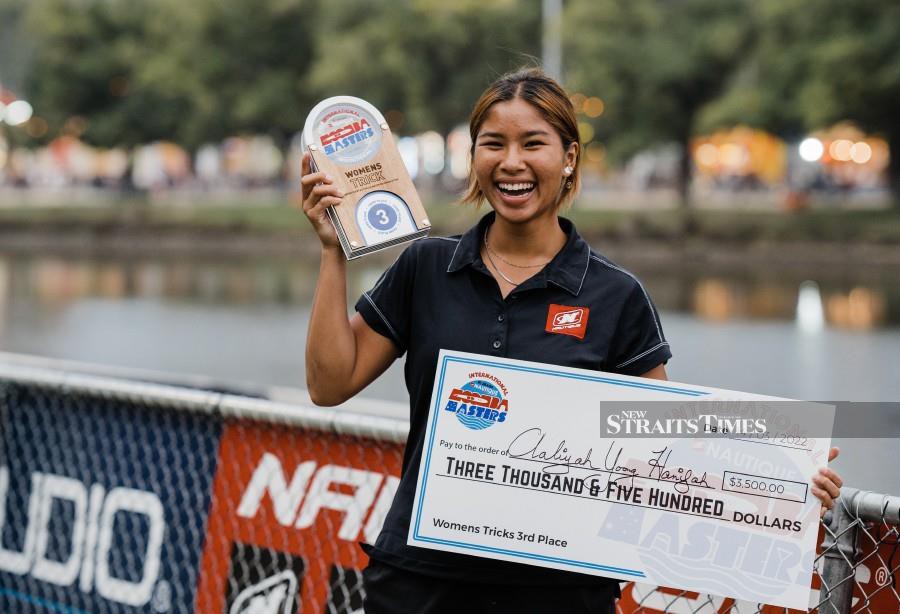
x: 479, y: 403
x: 274, y: 595
x: 566, y: 320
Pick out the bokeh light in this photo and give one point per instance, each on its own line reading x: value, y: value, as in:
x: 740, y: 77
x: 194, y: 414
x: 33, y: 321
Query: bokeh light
x: 811, y: 149
x: 595, y: 152
x: 578, y: 101
x: 593, y: 107
x: 860, y: 152
x: 585, y: 132
x: 36, y: 127
x: 18, y: 112
x: 840, y: 150
x: 708, y: 154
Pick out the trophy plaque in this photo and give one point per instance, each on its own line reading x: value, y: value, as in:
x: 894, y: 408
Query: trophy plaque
x: 348, y: 139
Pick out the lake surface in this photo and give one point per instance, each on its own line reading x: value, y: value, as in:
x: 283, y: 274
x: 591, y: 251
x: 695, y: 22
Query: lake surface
x: 810, y: 335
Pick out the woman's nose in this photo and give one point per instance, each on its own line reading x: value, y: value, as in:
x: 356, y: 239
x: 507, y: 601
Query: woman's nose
x: 512, y: 159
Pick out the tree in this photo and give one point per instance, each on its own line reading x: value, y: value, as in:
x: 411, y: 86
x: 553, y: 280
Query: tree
x: 141, y: 70
x: 656, y: 65
x: 85, y: 65
x: 428, y: 59
x: 818, y: 62
x: 242, y: 64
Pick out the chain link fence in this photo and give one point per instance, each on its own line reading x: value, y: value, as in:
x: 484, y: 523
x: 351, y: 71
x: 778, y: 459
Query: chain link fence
x: 122, y: 496
x: 856, y: 568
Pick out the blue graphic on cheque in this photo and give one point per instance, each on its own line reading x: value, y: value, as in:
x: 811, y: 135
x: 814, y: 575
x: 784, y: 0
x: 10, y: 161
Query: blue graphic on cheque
x: 382, y: 217
x: 478, y: 404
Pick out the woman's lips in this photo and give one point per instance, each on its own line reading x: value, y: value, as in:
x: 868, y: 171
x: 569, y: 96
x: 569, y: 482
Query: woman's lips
x: 515, y: 192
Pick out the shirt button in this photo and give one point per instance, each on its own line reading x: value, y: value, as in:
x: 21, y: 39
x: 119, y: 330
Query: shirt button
x: 496, y: 344
x: 501, y: 317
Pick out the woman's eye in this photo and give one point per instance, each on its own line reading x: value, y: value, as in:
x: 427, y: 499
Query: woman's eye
x: 491, y: 144
x: 533, y: 144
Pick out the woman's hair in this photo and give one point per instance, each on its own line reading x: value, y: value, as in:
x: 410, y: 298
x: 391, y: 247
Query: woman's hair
x: 548, y: 97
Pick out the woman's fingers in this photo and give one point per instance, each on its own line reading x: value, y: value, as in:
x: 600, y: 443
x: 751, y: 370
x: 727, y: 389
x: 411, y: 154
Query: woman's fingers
x: 832, y: 475
x: 318, y: 210
x: 833, y: 454
x: 824, y: 497
x: 305, y: 166
x: 327, y: 189
x: 827, y: 485
x: 320, y: 191
x: 310, y: 180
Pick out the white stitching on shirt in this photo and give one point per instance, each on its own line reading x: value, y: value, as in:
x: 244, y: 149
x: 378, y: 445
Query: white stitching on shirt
x: 642, y: 354
x: 587, y: 265
x: 458, y: 243
x: 377, y: 310
x: 641, y: 286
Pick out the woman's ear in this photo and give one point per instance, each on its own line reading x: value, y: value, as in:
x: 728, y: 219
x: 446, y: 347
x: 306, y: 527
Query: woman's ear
x: 572, y: 154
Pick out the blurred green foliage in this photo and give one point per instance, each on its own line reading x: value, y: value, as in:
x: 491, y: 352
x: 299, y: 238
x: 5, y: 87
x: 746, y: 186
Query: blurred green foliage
x: 672, y: 69
x: 656, y: 65
x: 194, y: 72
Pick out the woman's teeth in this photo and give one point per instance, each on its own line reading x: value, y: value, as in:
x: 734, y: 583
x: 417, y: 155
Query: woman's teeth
x: 515, y: 189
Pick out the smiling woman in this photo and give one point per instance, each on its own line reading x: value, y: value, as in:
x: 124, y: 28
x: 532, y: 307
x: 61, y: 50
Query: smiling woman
x: 532, y: 113
x: 521, y: 284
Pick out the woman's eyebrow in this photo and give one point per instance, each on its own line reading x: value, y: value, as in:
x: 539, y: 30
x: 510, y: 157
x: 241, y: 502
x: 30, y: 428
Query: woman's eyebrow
x: 525, y: 135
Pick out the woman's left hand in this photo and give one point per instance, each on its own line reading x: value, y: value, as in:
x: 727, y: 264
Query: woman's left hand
x: 827, y: 484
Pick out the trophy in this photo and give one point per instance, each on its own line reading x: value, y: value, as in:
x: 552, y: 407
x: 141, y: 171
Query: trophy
x: 348, y: 139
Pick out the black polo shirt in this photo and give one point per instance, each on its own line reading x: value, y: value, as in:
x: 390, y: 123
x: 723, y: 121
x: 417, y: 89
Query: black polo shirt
x: 581, y: 310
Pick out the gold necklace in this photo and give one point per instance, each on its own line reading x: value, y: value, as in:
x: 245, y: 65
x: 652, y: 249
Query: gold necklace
x: 490, y: 252
x: 496, y: 268
x: 487, y: 246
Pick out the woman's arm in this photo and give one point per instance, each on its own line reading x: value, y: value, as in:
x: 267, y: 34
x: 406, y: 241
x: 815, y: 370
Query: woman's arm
x: 657, y: 372
x: 343, y: 356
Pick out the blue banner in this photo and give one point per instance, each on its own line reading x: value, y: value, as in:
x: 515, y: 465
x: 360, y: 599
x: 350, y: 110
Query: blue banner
x: 103, y: 502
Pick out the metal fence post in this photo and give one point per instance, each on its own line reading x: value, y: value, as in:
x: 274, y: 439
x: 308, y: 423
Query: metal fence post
x: 839, y: 556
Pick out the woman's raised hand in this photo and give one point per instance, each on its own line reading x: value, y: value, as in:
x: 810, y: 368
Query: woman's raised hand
x: 319, y: 193
x: 827, y: 484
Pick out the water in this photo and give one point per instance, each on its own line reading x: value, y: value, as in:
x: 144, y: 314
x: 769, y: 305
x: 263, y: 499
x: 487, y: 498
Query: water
x: 244, y: 321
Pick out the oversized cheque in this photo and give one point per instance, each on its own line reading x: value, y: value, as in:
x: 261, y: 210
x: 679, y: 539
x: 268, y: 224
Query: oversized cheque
x: 684, y: 486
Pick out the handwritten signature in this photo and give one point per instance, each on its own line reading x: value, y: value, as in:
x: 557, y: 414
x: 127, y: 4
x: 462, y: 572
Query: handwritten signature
x: 534, y: 444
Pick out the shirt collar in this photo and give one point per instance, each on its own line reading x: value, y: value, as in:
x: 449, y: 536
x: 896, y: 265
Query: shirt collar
x: 567, y: 269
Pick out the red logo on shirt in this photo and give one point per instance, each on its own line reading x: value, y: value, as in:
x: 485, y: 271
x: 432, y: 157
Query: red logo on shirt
x: 565, y: 320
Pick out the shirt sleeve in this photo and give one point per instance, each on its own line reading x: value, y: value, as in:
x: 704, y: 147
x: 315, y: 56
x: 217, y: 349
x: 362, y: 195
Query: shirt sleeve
x: 386, y: 306
x: 639, y: 343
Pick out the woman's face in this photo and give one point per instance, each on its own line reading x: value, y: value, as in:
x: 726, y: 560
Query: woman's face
x: 519, y: 160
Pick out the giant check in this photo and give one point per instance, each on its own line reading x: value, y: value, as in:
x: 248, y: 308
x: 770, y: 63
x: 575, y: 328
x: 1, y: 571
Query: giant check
x: 682, y: 486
